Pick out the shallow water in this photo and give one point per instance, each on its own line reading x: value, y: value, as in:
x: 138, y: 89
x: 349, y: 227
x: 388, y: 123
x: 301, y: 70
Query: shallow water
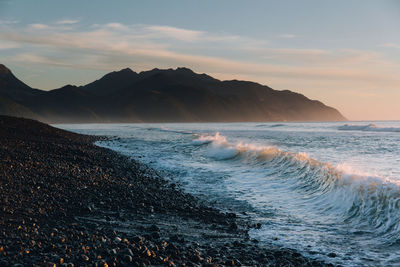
x: 316, y: 187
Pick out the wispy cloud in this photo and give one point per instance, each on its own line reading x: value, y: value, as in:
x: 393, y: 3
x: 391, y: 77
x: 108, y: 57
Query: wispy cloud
x: 8, y: 45
x: 38, y: 26
x: 67, y: 21
x: 113, y: 26
x: 114, y: 45
x: 33, y: 58
x: 6, y: 22
x: 287, y: 36
x: 391, y: 45
x: 176, y: 33
x: 157, y: 45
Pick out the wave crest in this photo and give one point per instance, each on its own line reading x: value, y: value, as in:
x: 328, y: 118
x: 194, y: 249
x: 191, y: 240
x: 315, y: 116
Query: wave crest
x: 368, y: 128
x: 359, y: 198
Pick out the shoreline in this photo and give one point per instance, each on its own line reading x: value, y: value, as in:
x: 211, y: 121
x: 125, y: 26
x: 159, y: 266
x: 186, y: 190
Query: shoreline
x: 68, y: 202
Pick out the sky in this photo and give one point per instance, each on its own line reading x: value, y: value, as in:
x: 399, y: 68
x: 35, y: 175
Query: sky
x: 345, y: 53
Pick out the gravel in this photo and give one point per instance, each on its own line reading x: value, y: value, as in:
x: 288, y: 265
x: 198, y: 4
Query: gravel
x: 67, y: 202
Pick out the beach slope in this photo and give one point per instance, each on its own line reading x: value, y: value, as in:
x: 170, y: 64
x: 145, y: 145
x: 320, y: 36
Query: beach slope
x: 66, y: 202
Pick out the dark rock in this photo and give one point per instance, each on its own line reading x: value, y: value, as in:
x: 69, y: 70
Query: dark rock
x: 128, y: 258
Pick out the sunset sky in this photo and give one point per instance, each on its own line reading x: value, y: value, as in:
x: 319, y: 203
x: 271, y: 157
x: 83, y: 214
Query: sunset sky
x: 344, y: 53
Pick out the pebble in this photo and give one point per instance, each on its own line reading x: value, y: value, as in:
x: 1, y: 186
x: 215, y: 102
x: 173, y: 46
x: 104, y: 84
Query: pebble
x: 84, y: 257
x: 54, y: 183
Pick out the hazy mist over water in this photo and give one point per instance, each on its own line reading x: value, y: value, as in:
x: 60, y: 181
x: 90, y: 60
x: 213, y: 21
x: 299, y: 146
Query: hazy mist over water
x: 317, y: 187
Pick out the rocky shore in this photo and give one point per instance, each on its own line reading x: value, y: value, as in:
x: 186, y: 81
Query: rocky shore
x: 67, y: 202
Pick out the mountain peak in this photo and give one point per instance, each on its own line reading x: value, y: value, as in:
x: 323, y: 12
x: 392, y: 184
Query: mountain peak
x: 69, y: 86
x: 11, y: 87
x: 183, y: 69
x: 4, y: 69
x: 126, y: 70
x: 111, y: 82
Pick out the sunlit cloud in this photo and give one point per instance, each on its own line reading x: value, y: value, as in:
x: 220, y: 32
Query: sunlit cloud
x: 32, y: 58
x: 38, y: 26
x: 114, y: 26
x: 67, y: 21
x: 177, y: 33
x: 158, y: 44
x: 391, y: 45
x: 317, y: 72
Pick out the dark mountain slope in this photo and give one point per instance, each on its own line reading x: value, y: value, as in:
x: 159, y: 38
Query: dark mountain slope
x: 12, y: 88
x: 159, y: 98
x: 12, y: 108
x: 69, y: 104
x: 197, y: 98
x: 112, y: 82
x: 170, y: 95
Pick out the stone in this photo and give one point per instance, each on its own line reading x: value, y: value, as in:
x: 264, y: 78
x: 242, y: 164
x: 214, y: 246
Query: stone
x: 84, y: 257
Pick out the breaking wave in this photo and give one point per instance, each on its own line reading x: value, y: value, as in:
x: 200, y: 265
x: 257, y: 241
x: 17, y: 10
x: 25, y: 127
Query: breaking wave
x: 360, y: 199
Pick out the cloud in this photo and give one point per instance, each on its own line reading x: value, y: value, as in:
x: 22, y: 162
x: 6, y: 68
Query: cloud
x: 113, y: 45
x: 114, y: 26
x: 293, y: 52
x: 390, y: 45
x: 67, y: 21
x: 293, y: 55
x: 7, y: 22
x: 39, y: 26
x: 286, y: 36
x: 8, y: 45
x: 33, y: 58
x: 176, y: 33
x: 348, y: 79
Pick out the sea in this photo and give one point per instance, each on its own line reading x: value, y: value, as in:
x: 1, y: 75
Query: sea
x: 330, y: 190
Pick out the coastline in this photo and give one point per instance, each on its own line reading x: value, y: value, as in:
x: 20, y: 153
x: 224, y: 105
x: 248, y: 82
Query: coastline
x: 67, y: 202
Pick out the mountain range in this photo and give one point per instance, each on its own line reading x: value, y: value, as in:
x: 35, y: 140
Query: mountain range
x: 159, y: 95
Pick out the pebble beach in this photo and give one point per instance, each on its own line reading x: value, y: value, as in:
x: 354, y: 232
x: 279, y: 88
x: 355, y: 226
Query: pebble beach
x: 66, y: 202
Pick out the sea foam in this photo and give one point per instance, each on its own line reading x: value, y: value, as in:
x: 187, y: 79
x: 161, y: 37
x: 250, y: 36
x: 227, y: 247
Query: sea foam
x: 360, y: 198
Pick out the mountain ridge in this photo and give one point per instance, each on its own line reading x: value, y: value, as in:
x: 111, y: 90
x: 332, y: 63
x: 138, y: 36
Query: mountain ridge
x: 160, y: 95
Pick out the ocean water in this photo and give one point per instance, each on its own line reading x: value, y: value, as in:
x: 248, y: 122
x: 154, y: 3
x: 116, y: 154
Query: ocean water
x: 319, y: 188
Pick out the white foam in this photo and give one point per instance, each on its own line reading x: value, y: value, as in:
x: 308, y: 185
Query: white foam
x: 206, y: 139
x: 221, y: 149
x: 350, y: 175
x: 343, y: 174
